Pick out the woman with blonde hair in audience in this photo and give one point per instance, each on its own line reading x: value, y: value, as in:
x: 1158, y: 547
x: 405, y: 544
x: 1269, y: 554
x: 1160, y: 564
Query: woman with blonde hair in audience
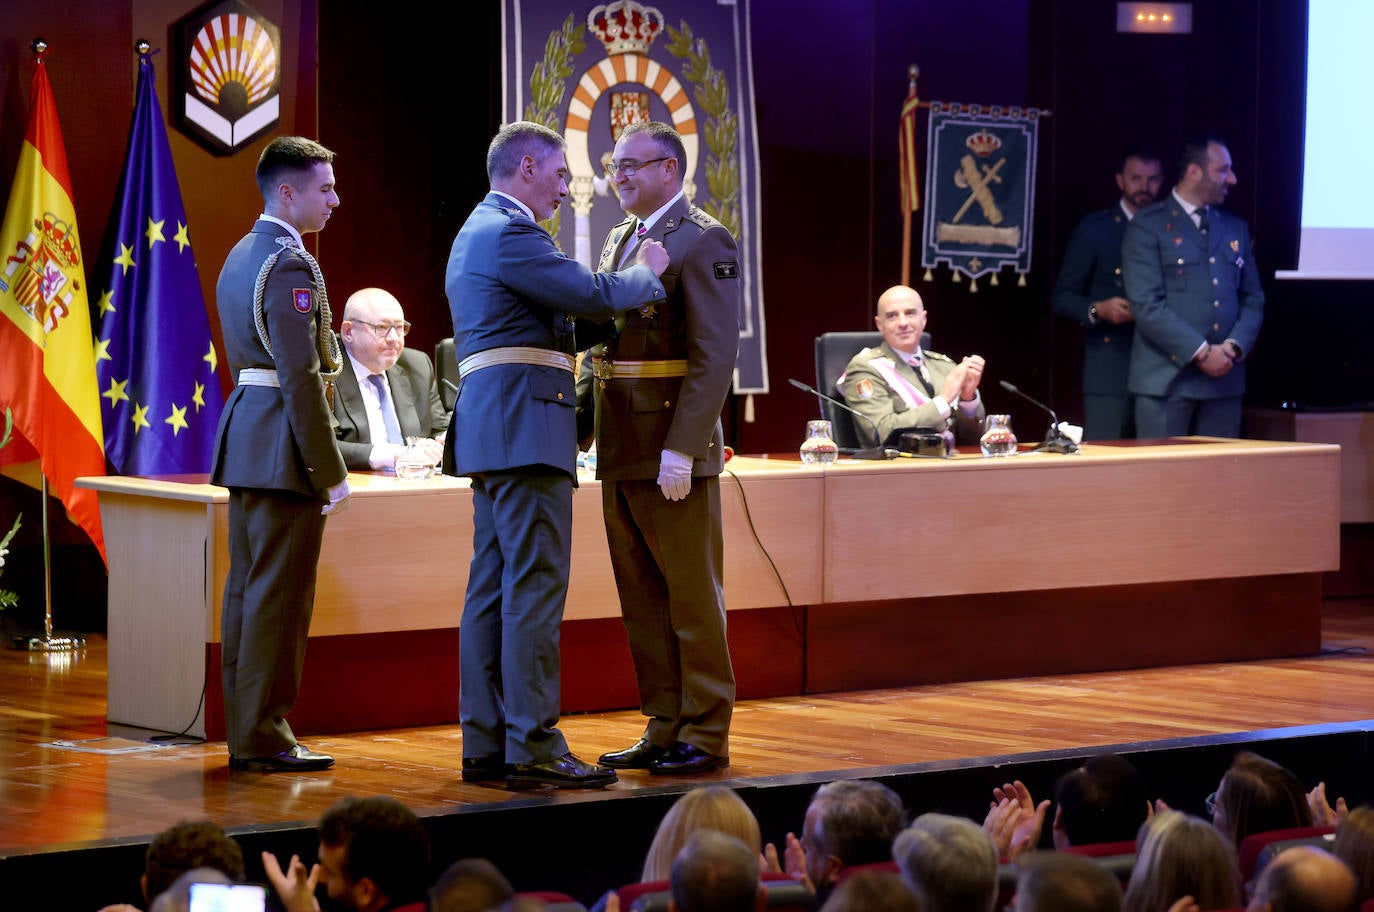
x: 711, y: 807
x: 1257, y: 795
x: 1180, y: 856
x: 1355, y: 846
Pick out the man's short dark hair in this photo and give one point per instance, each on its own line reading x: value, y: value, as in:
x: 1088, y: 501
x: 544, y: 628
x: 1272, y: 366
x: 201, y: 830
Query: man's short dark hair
x: 187, y: 845
x: 715, y: 873
x: 1103, y: 800
x: 286, y: 157
x: 469, y: 885
x: 383, y: 841
x: 667, y: 140
x: 1065, y: 882
x: 1137, y: 150
x: 1194, y: 151
x: 516, y: 140
x: 858, y: 820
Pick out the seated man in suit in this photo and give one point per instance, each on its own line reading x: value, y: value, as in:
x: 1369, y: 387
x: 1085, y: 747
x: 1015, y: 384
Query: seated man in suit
x: 386, y: 392
x: 898, y: 386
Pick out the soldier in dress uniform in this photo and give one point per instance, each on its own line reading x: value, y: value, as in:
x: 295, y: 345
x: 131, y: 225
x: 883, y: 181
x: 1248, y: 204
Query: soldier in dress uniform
x: 1195, y: 292
x: 275, y: 452
x: 660, y: 383
x: 897, y: 385
x: 1089, y: 291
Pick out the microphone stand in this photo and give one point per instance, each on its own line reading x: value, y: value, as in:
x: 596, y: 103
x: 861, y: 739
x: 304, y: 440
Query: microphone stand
x: 874, y: 452
x: 1056, y: 441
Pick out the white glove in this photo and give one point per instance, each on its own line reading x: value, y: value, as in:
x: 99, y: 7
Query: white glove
x: 338, y: 498
x: 675, y: 474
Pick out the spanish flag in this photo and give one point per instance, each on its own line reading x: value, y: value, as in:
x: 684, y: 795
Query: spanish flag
x: 906, y: 153
x: 47, y: 373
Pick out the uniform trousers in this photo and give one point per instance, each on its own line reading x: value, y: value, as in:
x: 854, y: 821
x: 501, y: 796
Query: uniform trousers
x: 668, y: 559
x: 274, y: 548
x: 508, y: 661
x: 1177, y: 416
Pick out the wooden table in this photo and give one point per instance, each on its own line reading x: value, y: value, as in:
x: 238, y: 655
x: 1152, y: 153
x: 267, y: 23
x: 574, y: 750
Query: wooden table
x: 854, y: 575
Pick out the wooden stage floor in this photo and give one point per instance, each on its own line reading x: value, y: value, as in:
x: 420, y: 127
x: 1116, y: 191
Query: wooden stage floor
x: 66, y: 777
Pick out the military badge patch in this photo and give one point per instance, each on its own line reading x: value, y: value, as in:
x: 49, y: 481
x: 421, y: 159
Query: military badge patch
x: 301, y: 298
x: 864, y: 389
x: 727, y: 270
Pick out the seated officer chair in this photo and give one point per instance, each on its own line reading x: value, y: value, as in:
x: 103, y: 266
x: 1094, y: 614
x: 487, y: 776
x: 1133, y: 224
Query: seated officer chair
x: 833, y: 351
x: 446, y: 368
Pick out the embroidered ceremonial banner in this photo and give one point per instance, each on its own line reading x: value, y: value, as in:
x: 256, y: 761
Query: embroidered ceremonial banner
x: 47, y: 374
x: 980, y: 188
x: 160, y: 396
x: 589, y: 70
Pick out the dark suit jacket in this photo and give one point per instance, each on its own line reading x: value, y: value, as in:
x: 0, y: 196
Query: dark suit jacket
x: 269, y: 437
x: 419, y: 410
x: 636, y: 419
x: 1187, y: 288
x: 509, y: 285
x: 1091, y: 272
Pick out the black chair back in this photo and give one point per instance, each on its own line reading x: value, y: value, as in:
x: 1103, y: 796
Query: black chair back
x: 446, y: 369
x: 833, y: 352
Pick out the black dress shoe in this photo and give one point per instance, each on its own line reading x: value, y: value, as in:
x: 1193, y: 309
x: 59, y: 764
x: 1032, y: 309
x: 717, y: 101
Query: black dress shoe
x: 683, y: 759
x: 639, y: 756
x: 297, y: 758
x: 566, y: 772
x: 484, y: 769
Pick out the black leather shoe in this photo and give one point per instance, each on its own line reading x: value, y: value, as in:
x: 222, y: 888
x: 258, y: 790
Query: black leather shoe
x: 683, y: 759
x: 484, y: 769
x: 566, y: 772
x: 297, y: 758
x: 640, y: 756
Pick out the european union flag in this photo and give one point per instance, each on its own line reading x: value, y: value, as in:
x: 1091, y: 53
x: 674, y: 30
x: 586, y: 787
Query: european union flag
x: 159, y: 391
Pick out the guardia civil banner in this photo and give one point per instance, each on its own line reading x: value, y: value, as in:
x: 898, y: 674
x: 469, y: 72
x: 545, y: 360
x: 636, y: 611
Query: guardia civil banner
x: 590, y: 70
x: 980, y: 189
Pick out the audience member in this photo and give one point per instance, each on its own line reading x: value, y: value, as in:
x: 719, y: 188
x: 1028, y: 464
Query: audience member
x: 867, y: 891
x: 1180, y: 855
x: 849, y: 822
x: 1063, y: 882
x: 180, y: 848
x: 713, y: 807
x: 1104, y: 800
x: 715, y: 873
x: 1355, y: 846
x: 1089, y: 291
x: 949, y: 863
x: 386, y: 392
x: 1257, y: 795
x: 374, y: 856
x: 898, y: 386
x: 470, y: 885
x: 1305, y: 879
x: 177, y: 896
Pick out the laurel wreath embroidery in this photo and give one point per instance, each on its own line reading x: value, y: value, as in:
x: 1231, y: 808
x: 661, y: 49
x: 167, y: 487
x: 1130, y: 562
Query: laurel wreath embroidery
x: 549, y: 84
x: 721, y: 128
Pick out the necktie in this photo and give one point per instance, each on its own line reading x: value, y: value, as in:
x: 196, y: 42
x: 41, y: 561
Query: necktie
x: 631, y: 247
x: 1202, y: 219
x: 919, y: 366
x: 393, y: 427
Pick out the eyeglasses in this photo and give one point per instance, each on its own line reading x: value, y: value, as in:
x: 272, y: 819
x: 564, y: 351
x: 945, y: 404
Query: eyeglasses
x: 382, y: 330
x: 629, y: 166
x: 1211, y: 801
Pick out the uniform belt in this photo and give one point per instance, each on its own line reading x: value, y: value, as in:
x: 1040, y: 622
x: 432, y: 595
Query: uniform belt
x: 611, y: 369
x: 515, y: 354
x: 258, y: 376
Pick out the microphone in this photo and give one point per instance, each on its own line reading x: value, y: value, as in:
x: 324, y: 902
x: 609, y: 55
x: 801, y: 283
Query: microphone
x: 1056, y: 441
x: 875, y: 452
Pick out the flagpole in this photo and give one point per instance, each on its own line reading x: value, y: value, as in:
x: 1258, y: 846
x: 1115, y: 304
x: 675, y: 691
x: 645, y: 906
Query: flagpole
x: 47, y: 642
x: 912, y: 72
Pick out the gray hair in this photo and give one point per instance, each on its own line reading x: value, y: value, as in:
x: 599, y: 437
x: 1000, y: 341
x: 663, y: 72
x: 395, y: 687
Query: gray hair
x: 949, y: 863
x: 516, y: 140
